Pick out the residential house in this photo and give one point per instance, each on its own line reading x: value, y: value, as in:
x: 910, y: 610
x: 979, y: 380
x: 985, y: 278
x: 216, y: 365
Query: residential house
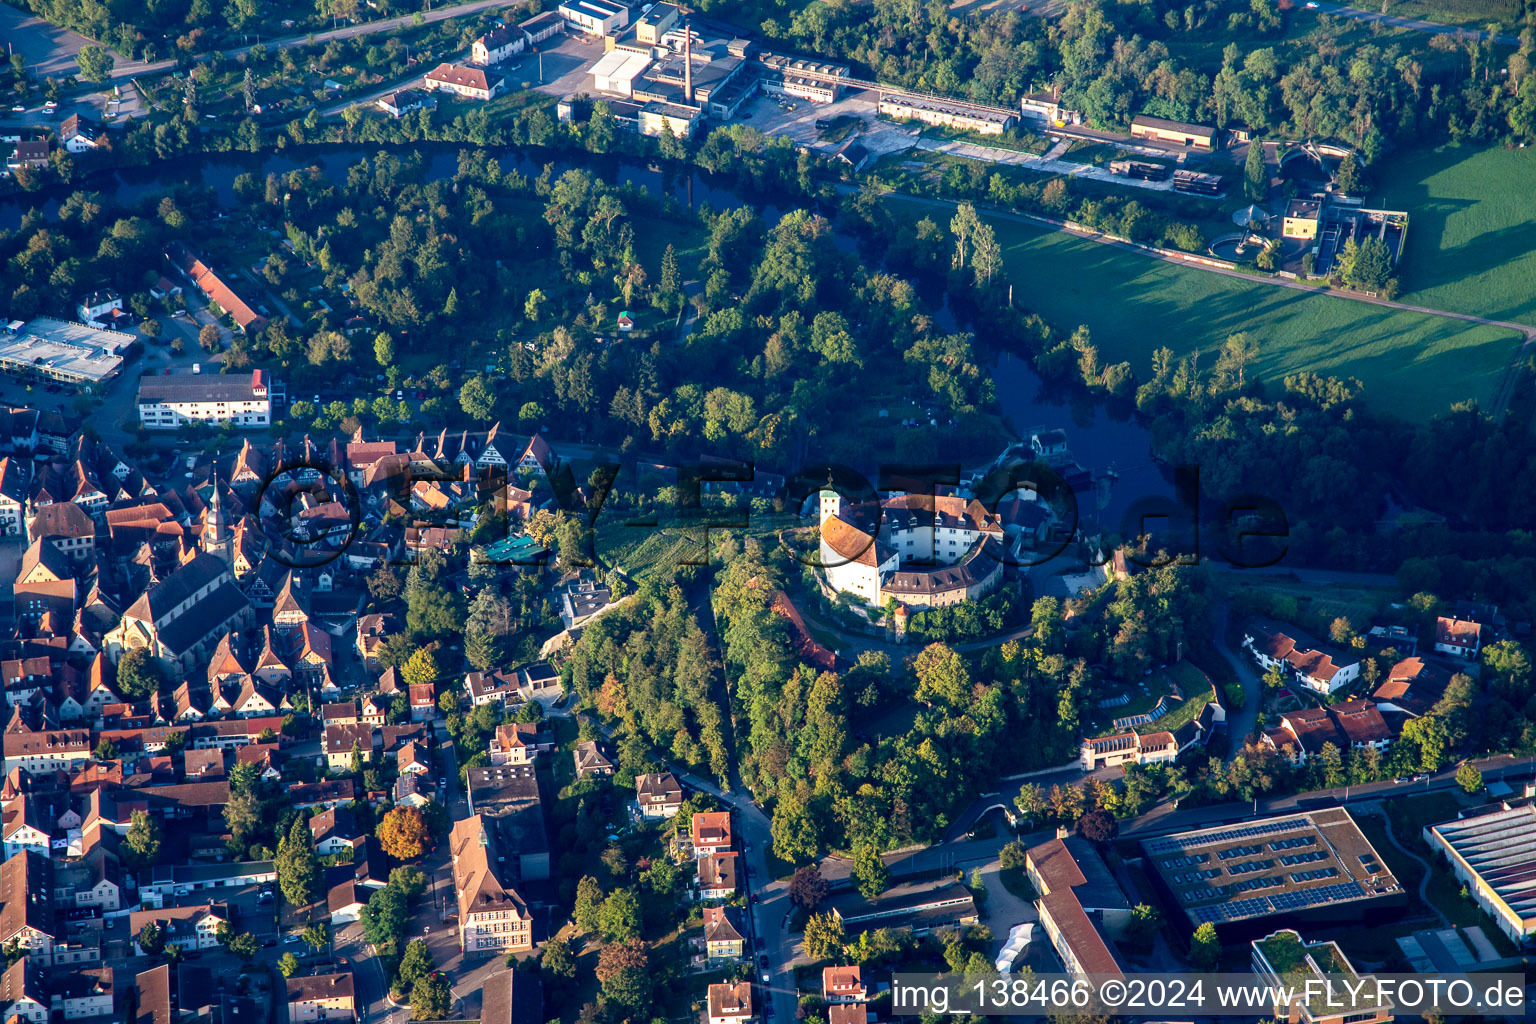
x: 722, y: 940
x: 79, y: 134
x: 1348, y: 725
x: 26, y: 910
x: 463, y: 81
x: 710, y: 832
x: 659, y: 795
x: 1459, y: 637
x: 843, y: 984
x: 517, y: 743
x: 497, y: 45
x: 342, y: 740
x: 1308, y: 665
x: 1411, y: 687
x: 423, y: 701
x: 23, y: 995
x: 494, y: 687
x: 335, y: 831
x: 590, y: 760
x: 717, y: 876
x: 189, y: 927
x: 326, y: 997
x: 730, y: 1003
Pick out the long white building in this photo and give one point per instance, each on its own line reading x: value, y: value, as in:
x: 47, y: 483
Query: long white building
x: 167, y: 402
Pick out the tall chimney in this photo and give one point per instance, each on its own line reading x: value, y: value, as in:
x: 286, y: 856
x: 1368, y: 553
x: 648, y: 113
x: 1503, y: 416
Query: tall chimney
x: 688, y: 64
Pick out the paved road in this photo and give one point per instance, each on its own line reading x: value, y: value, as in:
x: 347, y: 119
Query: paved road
x: 1428, y: 27
x: 1241, y: 722
x: 124, y: 70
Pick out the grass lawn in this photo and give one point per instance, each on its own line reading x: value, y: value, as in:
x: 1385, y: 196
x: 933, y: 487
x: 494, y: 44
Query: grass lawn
x: 1470, y: 13
x: 1471, y: 244
x: 1413, y: 365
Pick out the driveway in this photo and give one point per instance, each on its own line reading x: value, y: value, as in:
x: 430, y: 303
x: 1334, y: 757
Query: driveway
x: 1240, y: 722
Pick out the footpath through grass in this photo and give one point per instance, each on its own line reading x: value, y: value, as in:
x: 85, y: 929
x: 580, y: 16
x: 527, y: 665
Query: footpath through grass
x: 1471, y: 228
x: 1413, y: 365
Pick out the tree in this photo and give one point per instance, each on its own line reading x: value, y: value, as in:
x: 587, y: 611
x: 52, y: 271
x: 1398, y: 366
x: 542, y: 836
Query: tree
x: 587, y: 912
x: 106, y: 750
x: 869, y: 871
x: 620, y: 917
x: 244, y: 946
x: 150, y: 939
x: 384, y: 918
x: 1348, y: 176
x: 942, y: 676
x: 208, y: 338
x: 807, y: 887
x: 1255, y: 174
x: 430, y: 997
x: 1031, y: 802
x: 415, y: 964
x: 317, y: 935
x: 141, y: 846
x: 1145, y: 920
x: 1011, y: 856
x: 383, y: 349
x: 288, y: 964
x: 557, y: 959
x: 95, y: 63
x: 420, y: 668
x: 623, y: 969
x: 298, y: 871
x: 409, y: 879
x: 1098, y: 827
x: 477, y: 400
x: 1469, y: 777
x: 403, y: 834
x: 1205, y: 947
x: 138, y: 674
x: 986, y: 254
x: 823, y: 937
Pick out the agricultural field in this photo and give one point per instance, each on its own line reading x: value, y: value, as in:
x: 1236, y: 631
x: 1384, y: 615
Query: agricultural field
x: 1471, y: 244
x: 1413, y: 365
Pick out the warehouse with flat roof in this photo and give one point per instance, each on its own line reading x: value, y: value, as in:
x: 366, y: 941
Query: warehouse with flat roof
x: 63, y: 351
x: 1494, y: 855
x: 1250, y: 877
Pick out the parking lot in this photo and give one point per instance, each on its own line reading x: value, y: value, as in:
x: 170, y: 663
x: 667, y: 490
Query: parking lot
x: 565, y: 66
x: 852, y: 117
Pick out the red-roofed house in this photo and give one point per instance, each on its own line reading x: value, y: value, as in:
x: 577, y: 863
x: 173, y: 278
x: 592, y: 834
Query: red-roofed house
x: 1460, y: 637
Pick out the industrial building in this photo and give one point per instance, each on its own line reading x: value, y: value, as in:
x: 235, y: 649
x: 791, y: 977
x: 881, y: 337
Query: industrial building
x: 949, y: 113
x: 59, y: 350
x: 804, y: 78
x: 1196, y: 136
x: 595, y: 17
x: 1292, y: 869
x: 1494, y: 855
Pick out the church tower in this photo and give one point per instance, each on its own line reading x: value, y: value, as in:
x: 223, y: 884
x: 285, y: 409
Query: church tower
x: 216, y: 539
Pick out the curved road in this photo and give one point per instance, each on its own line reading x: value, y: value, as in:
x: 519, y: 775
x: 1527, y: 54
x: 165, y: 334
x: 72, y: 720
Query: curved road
x: 125, y: 69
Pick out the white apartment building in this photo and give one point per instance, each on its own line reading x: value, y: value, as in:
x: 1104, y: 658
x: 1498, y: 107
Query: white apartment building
x: 168, y: 401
